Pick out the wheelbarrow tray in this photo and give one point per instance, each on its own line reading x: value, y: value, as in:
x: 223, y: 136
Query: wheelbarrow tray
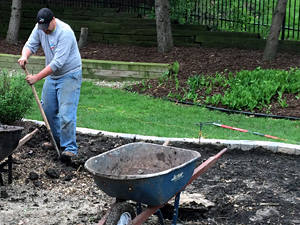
x: 143, y: 172
x: 9, y: 139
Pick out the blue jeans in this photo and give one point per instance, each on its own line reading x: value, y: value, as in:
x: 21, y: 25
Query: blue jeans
x: 60, y: 99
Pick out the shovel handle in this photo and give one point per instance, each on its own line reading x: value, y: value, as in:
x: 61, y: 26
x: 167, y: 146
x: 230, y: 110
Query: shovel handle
x: 38, y: 102
x: 43, y: 113
x: 40, y: 107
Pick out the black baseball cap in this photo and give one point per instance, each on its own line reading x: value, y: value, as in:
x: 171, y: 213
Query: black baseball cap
x: 44, y: 17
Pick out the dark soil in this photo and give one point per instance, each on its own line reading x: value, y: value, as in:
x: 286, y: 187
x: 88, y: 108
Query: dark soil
x: 192, y: 61
x: 243, y: 187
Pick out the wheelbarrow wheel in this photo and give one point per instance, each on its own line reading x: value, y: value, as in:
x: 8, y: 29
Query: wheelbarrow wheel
x: 121, y: 214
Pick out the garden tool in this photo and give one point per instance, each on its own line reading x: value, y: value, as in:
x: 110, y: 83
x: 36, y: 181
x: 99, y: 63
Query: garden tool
x: 245, y: 131
x: 43, y: 115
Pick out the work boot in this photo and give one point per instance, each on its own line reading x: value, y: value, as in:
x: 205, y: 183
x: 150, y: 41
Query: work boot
x: 66, y: 156
x: 49, y: 146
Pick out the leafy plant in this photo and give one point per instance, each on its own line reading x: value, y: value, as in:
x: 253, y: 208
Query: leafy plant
x: 175, y: 68
x: 247, y: 90
x: 164, y: 77
x: 144, y: 85
x: 172, y: 95
x: 282, y: 101
x: 15, y: 96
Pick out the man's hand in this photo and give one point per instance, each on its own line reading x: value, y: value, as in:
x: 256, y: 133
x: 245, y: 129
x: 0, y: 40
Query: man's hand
x: 31, y: 79
x: 23, y: 62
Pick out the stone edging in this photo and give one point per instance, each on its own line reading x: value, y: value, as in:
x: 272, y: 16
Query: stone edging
x: 245, y: 145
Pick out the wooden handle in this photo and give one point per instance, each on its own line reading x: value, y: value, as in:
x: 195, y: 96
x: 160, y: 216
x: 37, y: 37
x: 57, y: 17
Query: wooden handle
x: 38, y: 102
x: 26, y: 138
x: 40, y: 107
x: 166, y: 142
x: 43, y: 114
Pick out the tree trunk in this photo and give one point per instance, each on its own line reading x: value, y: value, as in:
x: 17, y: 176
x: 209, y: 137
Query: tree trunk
x: 83, y: 37
x: 163, y: 26
x: 14, y: 22
x: 272, y: 40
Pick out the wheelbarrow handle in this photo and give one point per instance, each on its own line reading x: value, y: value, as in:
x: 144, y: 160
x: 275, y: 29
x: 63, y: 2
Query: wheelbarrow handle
x: 205, y: 166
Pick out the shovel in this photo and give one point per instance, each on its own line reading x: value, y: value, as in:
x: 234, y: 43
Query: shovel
x: 43, y: 115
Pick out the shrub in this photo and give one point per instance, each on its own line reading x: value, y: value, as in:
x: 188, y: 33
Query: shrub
x: 15, y: 96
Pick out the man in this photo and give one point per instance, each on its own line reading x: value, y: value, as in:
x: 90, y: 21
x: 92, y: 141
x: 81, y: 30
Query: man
x: 63, y: 73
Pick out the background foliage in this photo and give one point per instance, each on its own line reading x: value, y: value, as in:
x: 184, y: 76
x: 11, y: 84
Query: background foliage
x: 15, y: 96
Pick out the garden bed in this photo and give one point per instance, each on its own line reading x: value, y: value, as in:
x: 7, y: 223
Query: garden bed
x: 243, y: 187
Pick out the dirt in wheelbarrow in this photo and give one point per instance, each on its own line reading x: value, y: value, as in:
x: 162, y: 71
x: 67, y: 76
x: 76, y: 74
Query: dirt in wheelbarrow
x: 242, y: 187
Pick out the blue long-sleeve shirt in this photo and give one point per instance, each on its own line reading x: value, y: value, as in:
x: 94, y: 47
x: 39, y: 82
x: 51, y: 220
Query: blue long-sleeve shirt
x: 60, y: 48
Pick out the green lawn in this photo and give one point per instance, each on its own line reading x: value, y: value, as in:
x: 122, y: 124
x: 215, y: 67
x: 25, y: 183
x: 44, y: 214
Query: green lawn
x: 117, y: 110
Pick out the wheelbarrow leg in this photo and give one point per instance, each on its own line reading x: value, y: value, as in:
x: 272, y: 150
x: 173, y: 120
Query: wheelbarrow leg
x: 10, y: 168
x: 1, y: 180
x: 160, y: 217
x: 158, y: 213
x: 176, y: 206
x: 144, y: 215
x: 139, y: 209
x: 7, y: 163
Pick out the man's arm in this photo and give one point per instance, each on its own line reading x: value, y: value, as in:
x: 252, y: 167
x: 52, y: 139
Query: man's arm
x: 31, y: 79
x: 24, y: 58
x: 30, y: 47
x: 44, y: 73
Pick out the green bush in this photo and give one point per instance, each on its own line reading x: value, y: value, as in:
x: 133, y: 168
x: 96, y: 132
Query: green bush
x: 15, y: 96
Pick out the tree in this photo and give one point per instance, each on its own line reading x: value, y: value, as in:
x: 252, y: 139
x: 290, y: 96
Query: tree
x: 163, y: 26
x: 14, y: 22
x: 272, y: 40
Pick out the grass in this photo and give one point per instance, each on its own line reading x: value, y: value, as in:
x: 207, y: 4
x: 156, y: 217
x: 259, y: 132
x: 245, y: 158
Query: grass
x: 117, y: 110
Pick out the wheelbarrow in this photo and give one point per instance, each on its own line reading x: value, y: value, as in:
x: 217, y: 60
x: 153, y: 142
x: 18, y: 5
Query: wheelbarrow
x: 145, y: 173
x: 9, y: 140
